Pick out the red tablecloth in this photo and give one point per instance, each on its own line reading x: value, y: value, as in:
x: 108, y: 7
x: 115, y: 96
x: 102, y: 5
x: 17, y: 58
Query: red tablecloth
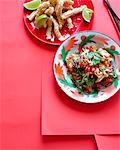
x: 21, y: 59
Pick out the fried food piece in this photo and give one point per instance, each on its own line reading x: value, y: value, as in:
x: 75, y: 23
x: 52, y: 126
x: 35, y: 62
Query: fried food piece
x: 49, y: 11
x: 67, y: 8
x: 42, y: 7
x: 32, y: 15
x: 70, y: 61
x: 53, y: 2
x: 56, y: 28
x: 75, y: 11
x: 68, y: 2
x: 58, y: 10
x: 69, y: 23
x: 49, y: 29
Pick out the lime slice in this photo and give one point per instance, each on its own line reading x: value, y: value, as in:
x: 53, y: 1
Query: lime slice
x: 87, y: 14
x: 32, y: 5
x: 40, y: 21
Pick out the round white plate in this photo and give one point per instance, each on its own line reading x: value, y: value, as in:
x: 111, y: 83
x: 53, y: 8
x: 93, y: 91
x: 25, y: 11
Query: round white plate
x: 60, y: 70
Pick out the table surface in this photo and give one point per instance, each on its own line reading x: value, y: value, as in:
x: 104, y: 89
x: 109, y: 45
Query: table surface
x: 21, y: 62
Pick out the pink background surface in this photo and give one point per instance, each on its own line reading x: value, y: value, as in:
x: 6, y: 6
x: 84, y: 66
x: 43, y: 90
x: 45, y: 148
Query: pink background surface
x: 110, y: 142
x: 20, y: 104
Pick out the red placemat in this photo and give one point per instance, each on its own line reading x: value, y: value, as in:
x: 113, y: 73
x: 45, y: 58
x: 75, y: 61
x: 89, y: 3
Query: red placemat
x: 20, y: 104
x: 62, y: 115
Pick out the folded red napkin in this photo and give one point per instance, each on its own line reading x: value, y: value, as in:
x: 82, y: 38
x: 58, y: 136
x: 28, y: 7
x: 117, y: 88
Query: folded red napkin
x: 62, y: 115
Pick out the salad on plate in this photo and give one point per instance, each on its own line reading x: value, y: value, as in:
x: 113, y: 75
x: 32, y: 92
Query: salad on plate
x: 91, y: 68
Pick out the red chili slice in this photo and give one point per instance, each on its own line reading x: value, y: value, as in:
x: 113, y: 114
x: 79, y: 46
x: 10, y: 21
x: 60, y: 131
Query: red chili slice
x: 87, y: 69
x: 80, y: 49
x: 66, y: 4
x: 107, y: 81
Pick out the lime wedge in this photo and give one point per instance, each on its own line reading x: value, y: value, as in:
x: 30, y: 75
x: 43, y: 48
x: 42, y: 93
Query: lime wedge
x: 32, y: 5
x: 40, y: 21
x: 87, y: 14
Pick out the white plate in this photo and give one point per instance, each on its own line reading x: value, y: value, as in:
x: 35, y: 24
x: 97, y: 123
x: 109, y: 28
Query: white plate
x: 60, y: 70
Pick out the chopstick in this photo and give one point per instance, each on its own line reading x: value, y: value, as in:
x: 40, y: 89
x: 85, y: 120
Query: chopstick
x: 115, y: 18
x: 110, y: 8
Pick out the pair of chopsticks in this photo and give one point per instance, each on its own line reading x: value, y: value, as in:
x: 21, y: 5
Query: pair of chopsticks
x: 114, y: 16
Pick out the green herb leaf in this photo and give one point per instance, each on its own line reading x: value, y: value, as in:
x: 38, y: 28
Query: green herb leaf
x: 90, y: 82
x: 86, y: 40
x: 79, y: 82
x: 82, y: 74
x: 95, y: 62
x: 80, y: 90
x: 94, y: 93
x: 97, y: 55
x: 77, y: 52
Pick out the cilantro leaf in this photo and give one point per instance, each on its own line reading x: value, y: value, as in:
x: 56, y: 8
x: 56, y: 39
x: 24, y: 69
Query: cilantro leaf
x: 95, y: 62
x: 90, y: 82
